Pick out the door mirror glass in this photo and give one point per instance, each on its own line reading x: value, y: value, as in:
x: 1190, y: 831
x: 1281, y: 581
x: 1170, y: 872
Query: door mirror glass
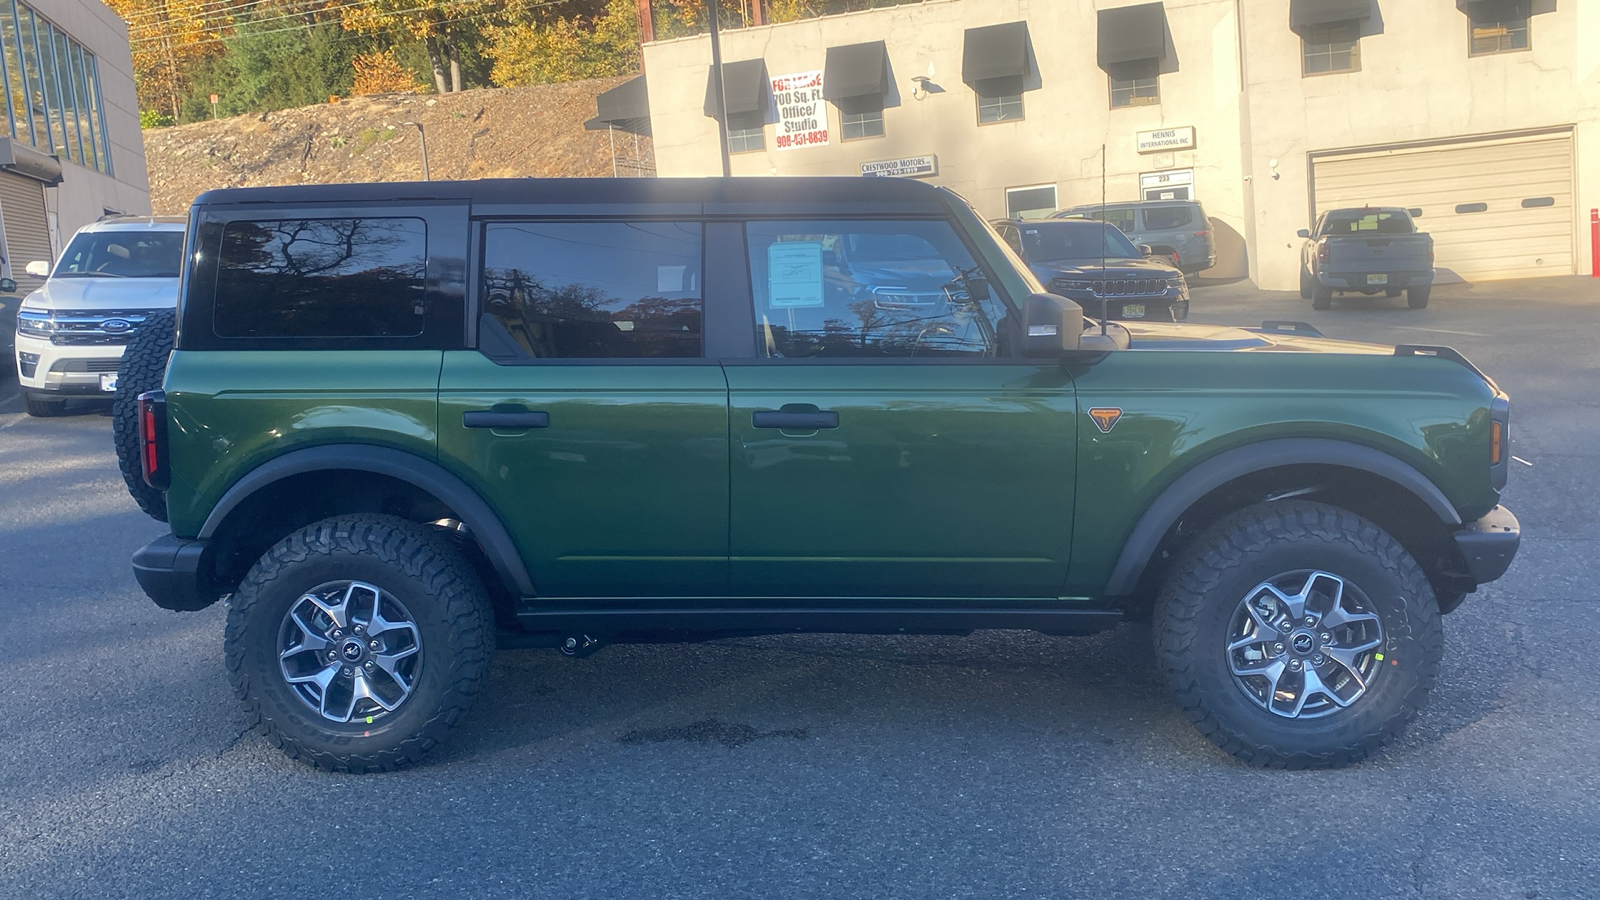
x: 1146, y: 251
x: 7, y: 286
x: 1305, y: 233
x: 38, y: 269
x: 977, y: 288
x: 1052, y: 326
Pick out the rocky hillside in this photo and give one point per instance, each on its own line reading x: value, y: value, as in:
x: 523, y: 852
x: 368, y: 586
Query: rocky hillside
x: 498, y: 133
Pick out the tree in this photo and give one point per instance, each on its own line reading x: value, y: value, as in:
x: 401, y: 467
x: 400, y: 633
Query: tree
x: 568, y: 48
x: 169, y: 40
x: 268, y: 66
x: 441, y: 25
x: 379, y: 72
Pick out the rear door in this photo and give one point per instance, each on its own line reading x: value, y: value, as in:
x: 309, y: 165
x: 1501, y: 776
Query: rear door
x: 885, y: 443
x: 588, y: 415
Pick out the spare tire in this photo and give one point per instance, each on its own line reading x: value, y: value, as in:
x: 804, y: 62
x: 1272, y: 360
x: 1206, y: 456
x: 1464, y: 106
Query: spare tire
x: 143, y: 366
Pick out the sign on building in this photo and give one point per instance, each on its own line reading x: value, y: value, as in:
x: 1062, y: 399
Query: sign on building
x: 802, y: 117
x: 1166, y: 139
x: 905, y: 167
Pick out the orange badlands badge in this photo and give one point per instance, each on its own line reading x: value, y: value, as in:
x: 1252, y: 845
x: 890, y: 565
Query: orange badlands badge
x: 1105, y: 417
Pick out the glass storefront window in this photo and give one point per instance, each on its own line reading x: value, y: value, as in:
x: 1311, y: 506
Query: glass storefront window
x: 51, y: 88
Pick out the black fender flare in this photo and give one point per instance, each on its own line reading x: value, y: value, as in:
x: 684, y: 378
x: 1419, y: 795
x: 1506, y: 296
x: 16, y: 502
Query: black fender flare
x: 417, y: 471
x: 1213, y: 473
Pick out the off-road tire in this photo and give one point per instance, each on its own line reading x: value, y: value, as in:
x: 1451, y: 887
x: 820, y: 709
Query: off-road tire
x: 1321, y: 296
x: 1305, y: 284
x: 143, y: 366
x: 1417, y: 297
x: 419, y: 567
x: 41, y: 408
x: 1213, y: 576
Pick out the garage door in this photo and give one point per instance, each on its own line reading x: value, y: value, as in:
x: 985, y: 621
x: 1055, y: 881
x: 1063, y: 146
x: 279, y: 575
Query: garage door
x: 1497, y: 208
x: 27, y: 230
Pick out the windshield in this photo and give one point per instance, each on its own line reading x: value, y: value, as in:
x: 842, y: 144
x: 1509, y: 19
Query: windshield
x: 1357, y: 221
x: 122, y: 254
x: 1048, y: 242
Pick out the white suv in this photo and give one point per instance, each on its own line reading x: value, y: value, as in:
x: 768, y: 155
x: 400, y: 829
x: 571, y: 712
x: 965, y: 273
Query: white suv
x: 72, y: 330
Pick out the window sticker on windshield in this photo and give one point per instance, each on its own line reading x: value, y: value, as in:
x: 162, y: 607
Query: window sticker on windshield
x: 669, y: 279
x: 794, y: 275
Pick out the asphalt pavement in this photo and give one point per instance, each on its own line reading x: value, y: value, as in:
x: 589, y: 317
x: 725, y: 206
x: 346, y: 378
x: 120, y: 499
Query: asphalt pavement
x: 1002, y: 765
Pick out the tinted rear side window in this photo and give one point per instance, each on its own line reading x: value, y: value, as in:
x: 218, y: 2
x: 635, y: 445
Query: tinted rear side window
x: 1165, y: 218
x: 595, y: 290
x: 322, y: 278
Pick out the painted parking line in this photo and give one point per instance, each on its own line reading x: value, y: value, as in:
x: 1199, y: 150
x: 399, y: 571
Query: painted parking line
x: 1438, y: 330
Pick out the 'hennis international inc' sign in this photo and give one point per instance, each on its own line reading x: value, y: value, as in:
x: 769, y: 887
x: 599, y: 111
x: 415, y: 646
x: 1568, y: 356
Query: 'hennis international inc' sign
x: 1167, y: 139
x: 909, y: 167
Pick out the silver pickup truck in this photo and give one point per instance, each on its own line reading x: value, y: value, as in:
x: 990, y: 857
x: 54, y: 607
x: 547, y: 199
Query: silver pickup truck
x: 1366, y: 250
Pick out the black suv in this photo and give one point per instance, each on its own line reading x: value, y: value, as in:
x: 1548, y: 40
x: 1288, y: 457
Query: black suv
x: 1095, y: 264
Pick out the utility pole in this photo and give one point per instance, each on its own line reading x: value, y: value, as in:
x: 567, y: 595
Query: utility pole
x: 647, y: 24
x: 716, y: 80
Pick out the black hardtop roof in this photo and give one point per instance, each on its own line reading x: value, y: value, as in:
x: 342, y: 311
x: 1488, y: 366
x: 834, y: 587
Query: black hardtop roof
x: 746, y: 195
x: 1130, y: 203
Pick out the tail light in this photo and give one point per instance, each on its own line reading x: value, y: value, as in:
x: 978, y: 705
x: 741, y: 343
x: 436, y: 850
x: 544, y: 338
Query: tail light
x: 1202, y: 234
x: 153, y: 439
x: 1324, y: 250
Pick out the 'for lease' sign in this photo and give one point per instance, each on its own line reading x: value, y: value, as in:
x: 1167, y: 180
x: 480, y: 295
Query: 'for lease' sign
x: 802, y: 118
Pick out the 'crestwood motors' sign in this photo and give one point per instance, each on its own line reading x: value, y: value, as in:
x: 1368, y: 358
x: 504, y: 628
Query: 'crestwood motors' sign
x: 1167, y: 139
x: 907, y: 167
x: 802, y: 118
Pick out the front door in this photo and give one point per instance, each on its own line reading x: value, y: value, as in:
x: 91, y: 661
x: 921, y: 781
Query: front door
x: 589, y: 417
x: 883, y: 442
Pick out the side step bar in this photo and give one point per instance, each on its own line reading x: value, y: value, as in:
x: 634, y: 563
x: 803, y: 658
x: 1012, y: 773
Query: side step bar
x: 621, y: 625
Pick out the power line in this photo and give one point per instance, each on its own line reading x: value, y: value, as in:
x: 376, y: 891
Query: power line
x: 350, y: 35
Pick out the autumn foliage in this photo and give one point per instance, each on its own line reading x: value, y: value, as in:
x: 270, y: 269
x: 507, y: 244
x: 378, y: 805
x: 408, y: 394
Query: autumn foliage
x: 380, y: 73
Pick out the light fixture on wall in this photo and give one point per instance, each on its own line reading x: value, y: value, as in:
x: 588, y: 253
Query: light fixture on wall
x: 923, y: 85
x: 1273, y: 165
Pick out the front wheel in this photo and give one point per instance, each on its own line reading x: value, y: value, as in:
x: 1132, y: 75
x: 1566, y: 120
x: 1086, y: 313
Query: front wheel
x: 41, y: 408
x: 357, y: 643
x: 1298, y: 635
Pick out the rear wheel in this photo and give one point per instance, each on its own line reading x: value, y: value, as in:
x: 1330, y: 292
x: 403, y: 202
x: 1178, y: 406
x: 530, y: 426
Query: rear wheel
x: 357, y: 643
x: 41, y: 408
x: 143, y: 366
x: 1321, y: 296
x: 1417, y: 297
x: 1298, y: 635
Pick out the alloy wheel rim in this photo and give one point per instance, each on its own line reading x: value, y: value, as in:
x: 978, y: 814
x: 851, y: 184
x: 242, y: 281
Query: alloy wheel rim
x: 350, y: 651
x: 1304, y: 644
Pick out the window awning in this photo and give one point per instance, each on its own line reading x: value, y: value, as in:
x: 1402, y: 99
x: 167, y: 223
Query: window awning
x: 856, y: 70
x: 995, y: 51
x: 745, y: 86
x: 1305, y: 13
x: 625, y: 107
x: 25, y: 160
x: 1506, y: 6
x: 1132, y: 33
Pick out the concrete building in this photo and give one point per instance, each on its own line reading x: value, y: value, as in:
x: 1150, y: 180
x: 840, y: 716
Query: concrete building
x: 1485, y: 114
x: 70, y: 150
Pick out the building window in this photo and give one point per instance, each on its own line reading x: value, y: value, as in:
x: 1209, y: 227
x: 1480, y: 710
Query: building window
x: 52, y: 89
x: 1035, y: 202
x: 864, y: 124
x: 1136, y: 83
x: 1332, y: 47
x: 1498, y: 27
x: 747, y: 132
x: 999, y: 108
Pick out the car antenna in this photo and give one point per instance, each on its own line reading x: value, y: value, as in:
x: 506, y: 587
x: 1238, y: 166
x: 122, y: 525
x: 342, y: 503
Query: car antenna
x: 1104, y: 282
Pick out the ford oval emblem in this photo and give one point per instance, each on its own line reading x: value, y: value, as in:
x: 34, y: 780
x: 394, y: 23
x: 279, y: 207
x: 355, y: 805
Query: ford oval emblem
x: 116, y: 326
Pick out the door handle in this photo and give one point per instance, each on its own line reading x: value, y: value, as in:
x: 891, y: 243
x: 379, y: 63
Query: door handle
x: 788, y: 419
x: 508, y: 421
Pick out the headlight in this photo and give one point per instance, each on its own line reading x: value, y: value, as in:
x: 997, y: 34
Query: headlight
x: 35, y: 323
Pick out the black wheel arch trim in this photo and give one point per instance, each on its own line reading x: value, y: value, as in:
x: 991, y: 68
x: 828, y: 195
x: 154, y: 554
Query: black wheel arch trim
x: 421, y: 473
x: 1213, y: 473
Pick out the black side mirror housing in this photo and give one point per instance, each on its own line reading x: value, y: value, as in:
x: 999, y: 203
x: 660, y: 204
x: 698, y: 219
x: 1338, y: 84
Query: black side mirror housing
x: 1052, y: 326
x: 977, y: 288
x: 7, y: 286
x: 1304, y: 232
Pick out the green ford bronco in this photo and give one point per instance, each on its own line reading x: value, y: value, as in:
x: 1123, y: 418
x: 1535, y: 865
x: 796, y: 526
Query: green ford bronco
x: 404, y: 424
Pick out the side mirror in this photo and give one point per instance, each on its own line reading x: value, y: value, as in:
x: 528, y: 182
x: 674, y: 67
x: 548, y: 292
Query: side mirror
x: 38, y: 268
x: 1052, y: 326
x: 7, y: 286
x: 977, y: 289
x: 1415, y: 212
x: 1304, y: 232
x: 1146, y: 250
